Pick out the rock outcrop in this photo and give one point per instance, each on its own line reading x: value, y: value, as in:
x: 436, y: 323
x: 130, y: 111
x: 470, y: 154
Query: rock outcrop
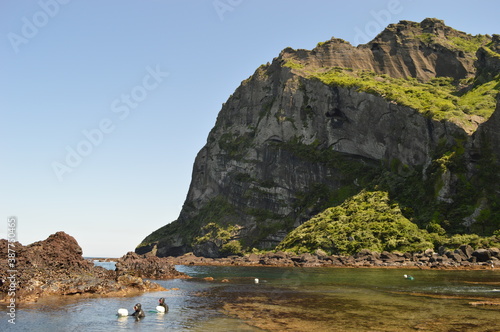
x: 407, y: 49
x: 55, y: 266
x: 149, y: 267
x: 287, y: 145
x: 487, y: 136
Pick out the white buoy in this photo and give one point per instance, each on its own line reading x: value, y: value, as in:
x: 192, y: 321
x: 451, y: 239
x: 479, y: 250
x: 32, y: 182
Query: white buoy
x: 122, y: 312
x: 256, y: 280
x: 160, y: 309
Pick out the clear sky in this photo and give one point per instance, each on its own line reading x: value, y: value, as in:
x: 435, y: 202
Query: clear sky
x: 105, y: 104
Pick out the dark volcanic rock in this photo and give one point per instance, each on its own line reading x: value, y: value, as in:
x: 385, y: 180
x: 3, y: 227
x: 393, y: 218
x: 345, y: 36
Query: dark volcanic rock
x: 367, y: 255
x: 488, y: 133
x: 150, y: 267
x: 466, y: 250
x: 55, y: 266
x: 391, y: 257
x: 207, y: 249
x: 482, y: 255
x: 454, y: 256
x: 495, y: 252
x: 365, y: 258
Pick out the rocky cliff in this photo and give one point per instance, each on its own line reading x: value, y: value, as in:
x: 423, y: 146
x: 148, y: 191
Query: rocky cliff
x: 315, y: 127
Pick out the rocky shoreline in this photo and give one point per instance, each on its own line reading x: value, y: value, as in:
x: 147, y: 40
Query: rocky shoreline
x: 56, y: 266
x: 464, y: 257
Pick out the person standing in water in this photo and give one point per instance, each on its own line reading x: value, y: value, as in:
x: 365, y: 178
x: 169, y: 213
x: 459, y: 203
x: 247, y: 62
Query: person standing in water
x: 162, y: 303
x: 138, y: 312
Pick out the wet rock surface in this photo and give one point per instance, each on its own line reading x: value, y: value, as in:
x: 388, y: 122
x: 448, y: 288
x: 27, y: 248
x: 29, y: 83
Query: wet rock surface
x: 55, y: 266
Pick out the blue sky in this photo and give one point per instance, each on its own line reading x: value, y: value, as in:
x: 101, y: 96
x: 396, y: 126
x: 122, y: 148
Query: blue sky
x: 105, y: 104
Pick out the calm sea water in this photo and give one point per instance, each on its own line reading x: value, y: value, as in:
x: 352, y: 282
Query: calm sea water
x: 353, y: 299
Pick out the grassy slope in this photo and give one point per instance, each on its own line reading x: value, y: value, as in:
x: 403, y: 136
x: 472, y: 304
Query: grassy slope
x: 365, y: 221
x: 439, y: 99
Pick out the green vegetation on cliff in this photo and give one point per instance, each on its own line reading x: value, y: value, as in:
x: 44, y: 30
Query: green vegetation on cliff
x: 217, y: 209
x: 420, y: 193
x: 459, y: 42
x: 370, y: 220
x: 222, y: 237
x: 365, y: 221
x: 441, y: 98
x: 294, y: 65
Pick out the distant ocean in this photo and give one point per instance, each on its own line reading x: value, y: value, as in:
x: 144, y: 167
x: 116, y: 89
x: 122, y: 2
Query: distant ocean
x: 106, y: 265
x: 346, y: 299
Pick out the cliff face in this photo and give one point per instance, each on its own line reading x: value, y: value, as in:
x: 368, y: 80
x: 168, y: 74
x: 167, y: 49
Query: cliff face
x: 486, y: 141
x: 407, y: 49
x: 289, y: 143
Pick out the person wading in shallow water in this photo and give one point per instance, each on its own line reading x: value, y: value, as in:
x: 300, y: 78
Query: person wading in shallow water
x: 138, y: 313
x: 162, y: 303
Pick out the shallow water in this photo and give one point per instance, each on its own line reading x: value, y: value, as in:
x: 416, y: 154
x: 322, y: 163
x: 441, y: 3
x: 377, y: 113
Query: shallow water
x: 286, y: 299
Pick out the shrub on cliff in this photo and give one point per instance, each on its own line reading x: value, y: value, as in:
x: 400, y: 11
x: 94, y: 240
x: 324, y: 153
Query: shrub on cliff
x: 217, y: 241
x: 231, y: 248
x: 365, y: 221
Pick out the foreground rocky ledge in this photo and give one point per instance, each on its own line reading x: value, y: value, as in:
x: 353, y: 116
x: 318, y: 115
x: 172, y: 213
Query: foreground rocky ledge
x: 464, y: 257
x: 56, y: 266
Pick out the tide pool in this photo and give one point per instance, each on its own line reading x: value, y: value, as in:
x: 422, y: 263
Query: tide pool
x: 286, y: 299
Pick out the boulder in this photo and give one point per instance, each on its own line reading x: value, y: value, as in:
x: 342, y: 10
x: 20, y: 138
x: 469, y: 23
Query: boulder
x: 461, y: 254
x: 252, y: 258
x: 392, y: 257
x: 308, y: 258
x: 428, y: 252
x: 207, y: 249
x: 482, y: 255
x: 467, y: 250
x: 454, y: 256
x: 321, y: 254
x: 368, y: 255
x: 442, y: 250
x: 494, y: 252
x: 278, y: 255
